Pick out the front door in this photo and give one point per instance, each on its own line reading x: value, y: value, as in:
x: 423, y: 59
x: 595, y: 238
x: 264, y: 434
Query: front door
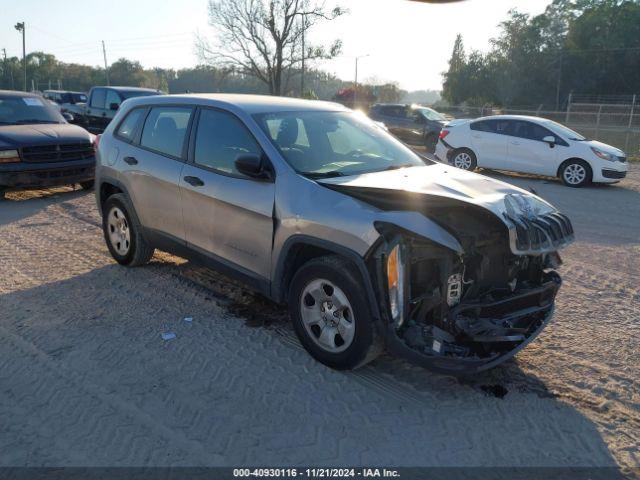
x: 227, y: 215
x: 527, y: 152
x: 96, y: 110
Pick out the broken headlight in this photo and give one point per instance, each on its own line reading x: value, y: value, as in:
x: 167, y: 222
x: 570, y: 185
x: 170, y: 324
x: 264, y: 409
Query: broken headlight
x: 528, y: 206
x: 395, y: 284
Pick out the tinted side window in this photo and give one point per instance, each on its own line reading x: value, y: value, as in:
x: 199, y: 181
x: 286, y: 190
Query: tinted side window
x: 127, y: 128
x: 483, y: 126
x: 165, y: 129
x: 97, y: 98
x: 112, y: 97
x: 538, y: 132
x: 220, y: 138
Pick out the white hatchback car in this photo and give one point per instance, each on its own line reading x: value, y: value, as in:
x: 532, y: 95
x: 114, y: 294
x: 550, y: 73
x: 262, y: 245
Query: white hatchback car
x: 530, y: 145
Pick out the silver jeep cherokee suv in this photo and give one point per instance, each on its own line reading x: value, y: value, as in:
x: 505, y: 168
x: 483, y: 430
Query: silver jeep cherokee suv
x: 316, y: 206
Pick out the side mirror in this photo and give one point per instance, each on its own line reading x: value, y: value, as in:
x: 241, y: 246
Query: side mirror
x: 114, y: 106
x: 67, y: 116
x: 253, y: 166
x: 550, y: 139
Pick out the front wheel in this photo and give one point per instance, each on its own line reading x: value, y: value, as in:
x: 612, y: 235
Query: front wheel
x: 464, y: 159
x: 330, y: 313
x: 575, y: 173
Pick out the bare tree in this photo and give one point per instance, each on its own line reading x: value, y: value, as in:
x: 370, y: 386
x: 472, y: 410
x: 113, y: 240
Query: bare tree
x: 265, y: 38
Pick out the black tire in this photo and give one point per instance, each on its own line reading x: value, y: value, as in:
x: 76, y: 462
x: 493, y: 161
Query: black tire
x: 430, y: 142
x: 139, y: 252
x: 365, y: 345
x: 464, y: 159
x: 2, y: 192
x: 576, y: 165
x: 88, y: 185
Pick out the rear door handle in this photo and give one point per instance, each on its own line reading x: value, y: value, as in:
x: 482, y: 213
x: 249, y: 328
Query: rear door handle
x: 194, y: 181
x: 130, y: 160
x: 515, y: 143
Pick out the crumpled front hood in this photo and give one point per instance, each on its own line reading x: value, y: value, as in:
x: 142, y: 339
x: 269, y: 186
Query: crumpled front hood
x: 42, y: 134
x: 440, y: 181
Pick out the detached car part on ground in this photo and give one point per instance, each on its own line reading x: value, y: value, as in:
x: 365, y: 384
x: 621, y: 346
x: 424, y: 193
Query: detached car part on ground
x: 315, y: 206
x: 38, y: 148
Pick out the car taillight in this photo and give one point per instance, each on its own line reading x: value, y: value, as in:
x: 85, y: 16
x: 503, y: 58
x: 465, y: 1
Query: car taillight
x: 443, y: 133
x: 96, y: 143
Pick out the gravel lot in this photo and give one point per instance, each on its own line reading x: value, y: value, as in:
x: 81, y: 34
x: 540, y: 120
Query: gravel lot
x: 86, y: 379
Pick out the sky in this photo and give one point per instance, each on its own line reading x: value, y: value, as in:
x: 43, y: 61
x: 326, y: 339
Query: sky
x: 402, y: 41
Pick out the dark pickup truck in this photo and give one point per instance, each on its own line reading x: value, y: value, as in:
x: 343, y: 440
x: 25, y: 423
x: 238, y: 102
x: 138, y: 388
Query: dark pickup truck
x: 38, y: 148
x: 102, y: 105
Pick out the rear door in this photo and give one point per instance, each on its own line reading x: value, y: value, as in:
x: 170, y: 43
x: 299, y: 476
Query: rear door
x: 151, y: 169
x: 527, y: 152
x: 489, y: 142
x: 227, y: 215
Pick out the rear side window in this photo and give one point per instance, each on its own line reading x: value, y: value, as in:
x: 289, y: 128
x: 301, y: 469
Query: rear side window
x: 127, y: 128
x: 483, y: 126
x: 220, y: 138
x: 97, y: 98
x: 112, y: 99
x: 165, y: 129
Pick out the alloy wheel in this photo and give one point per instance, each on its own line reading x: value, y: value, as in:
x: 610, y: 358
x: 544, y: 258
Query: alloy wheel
x: 327, y: 316
x: 462, y: 160
x: 574, y: 174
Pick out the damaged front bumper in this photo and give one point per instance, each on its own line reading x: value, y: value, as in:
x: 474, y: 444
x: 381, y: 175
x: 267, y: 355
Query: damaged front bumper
x: 490, y: 332
x: 462, y: 313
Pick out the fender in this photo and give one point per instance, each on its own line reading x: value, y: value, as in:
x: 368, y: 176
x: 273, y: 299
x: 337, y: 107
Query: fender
x: 277, y: 286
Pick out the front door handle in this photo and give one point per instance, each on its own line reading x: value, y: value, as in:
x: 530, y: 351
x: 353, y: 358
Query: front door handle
x: 515, y: 143
x: 130, y: 160
x: 194, y: 181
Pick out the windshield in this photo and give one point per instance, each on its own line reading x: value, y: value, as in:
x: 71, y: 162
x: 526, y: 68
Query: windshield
x: 331, y: 144
x: 565, y: 131
x: 430, y: 114
x: 25, y: 110
x: 79, y: 97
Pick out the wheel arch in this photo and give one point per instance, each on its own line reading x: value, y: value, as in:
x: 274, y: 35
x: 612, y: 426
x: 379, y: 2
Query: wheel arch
x: 110, y: 186
x: 299, y: 249
x: 573, y: 159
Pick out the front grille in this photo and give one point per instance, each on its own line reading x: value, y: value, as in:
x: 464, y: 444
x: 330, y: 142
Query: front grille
x: 613, y: 174
x: 542, y: 233
x: 57, y: 153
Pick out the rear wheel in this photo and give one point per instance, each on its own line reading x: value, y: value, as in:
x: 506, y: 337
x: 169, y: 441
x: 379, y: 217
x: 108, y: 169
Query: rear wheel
x: 464, y: 159
x: 331, y: 315
x: 2, y: 192
x: 123, y: 234
x: 575, y: 173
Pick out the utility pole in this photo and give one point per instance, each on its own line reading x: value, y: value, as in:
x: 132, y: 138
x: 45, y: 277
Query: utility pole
x: 106, y: 68
x: 4, y: 53
x: 559, y: 80
x: 303, y: 53
x: 21, y: 28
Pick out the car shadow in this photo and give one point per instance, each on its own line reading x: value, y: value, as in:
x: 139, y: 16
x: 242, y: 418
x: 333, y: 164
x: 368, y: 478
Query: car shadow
x: 103, y: 329
x: 20, y: 204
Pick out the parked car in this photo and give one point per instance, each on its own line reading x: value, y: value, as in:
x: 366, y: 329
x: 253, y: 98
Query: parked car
x: 102, y: 104
x: 530, y: 145
x: 313, y: 205
x: 38, y: 147
x: 67, y: 100
x: 412, y: 124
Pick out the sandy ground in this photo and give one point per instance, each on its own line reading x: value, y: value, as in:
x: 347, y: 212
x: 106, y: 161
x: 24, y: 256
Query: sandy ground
x: 86, y: 379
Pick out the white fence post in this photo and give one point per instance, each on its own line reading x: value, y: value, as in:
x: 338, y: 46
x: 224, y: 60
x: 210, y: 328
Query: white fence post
x: 566, y: 119
x: 598, y: 121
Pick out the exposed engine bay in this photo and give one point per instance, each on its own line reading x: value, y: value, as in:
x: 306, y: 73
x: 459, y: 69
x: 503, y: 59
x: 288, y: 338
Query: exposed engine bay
x: 465, y: 311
